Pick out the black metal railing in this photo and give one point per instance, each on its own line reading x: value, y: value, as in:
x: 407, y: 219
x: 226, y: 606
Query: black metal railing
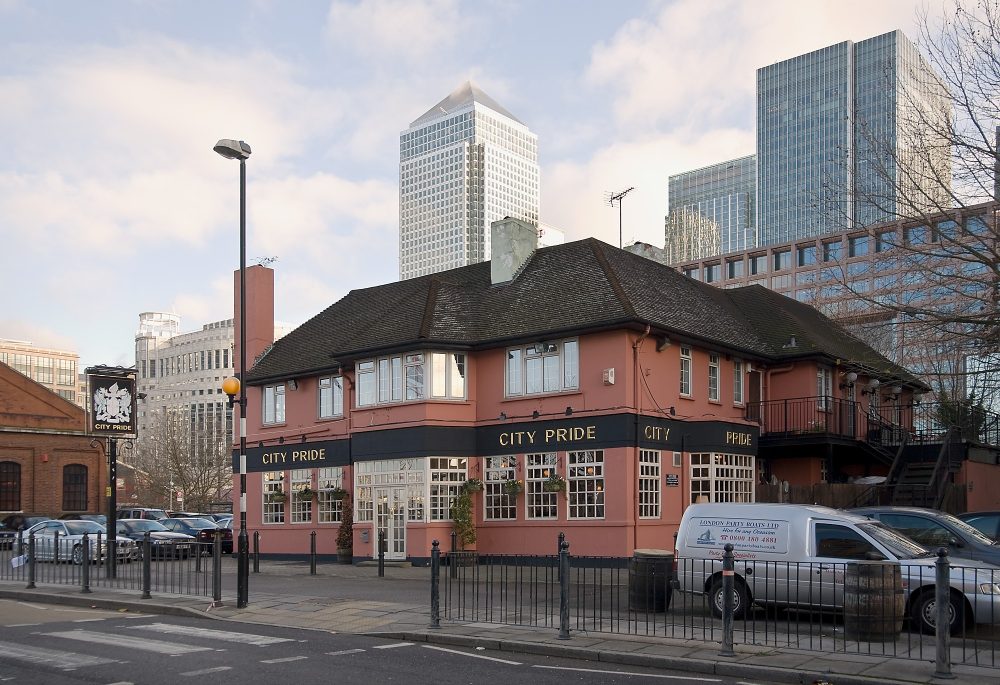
x: 864, y: 607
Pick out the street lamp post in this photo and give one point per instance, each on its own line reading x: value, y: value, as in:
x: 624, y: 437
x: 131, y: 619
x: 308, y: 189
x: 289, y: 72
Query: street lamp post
x: 237, y: 149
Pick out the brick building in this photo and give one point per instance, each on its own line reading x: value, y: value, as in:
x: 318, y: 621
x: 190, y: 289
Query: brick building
x: 48, y: 464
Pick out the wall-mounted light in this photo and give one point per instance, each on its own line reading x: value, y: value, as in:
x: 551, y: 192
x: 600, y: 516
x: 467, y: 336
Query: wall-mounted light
x: 535, y: 414
x: 872, y: 387
x: 281, y: 440
x: 303, y: 437
x: 673, y: 412
x: 850, y: 378
x: 917, y: 397
x: 569, y: 411
x: 260, y: 444
x: 662, y: 343
x: 896, y: 390
x: 503, y: 416
x: 293, y: 384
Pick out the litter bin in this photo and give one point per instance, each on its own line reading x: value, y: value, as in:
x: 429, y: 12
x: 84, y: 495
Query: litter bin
x: 649, y: 575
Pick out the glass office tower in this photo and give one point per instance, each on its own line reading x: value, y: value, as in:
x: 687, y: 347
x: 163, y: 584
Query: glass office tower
x: 832, y: 128
x: 462, y: 165
x: 711, y: 210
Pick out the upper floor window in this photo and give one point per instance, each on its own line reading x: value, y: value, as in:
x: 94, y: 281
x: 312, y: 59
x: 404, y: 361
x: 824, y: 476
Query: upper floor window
x: 543, y: 367
x: 713, y: 273
x: 734, y: 268
x: 331, y: 396
x: 686, y: 371
x: 857, y: 246
x: 831, y: 251
x: 807, y: 255
x: 713, y: 377
x: 824, y: 387
x: 407, y: 377
x: 758, y: 264
x: 274, y: 403
x: 782, y: 259
x: 737, y: 382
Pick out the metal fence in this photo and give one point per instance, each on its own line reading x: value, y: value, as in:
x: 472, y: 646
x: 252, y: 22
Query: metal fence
x: 874, y: 608
x: 188, y: 568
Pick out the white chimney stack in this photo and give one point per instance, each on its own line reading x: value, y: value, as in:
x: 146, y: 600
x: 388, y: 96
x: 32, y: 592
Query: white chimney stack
x: 513, y: 243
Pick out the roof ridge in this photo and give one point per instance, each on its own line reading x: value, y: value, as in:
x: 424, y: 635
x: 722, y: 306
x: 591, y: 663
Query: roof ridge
x: 612, y: 276
x: 433, y: 286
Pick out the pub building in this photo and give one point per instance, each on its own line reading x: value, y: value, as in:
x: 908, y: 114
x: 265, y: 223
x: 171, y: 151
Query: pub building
x: 640, y: 389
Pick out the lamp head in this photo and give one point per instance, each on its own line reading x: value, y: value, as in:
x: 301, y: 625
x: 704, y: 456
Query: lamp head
x: 232, y: 149
x: 231, y: 386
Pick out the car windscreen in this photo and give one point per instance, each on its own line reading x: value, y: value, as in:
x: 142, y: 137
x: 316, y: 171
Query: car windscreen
x: 145, y: 526
x: 900, y: 546
x: 199, y: 523
x: 969, y: 531
x: 81, y: 527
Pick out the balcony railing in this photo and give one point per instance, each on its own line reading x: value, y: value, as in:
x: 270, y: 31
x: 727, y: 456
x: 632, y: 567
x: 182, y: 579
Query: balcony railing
x: 890, y: 426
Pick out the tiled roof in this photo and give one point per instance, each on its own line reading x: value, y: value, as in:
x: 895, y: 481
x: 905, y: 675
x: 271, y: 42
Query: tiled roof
x: 562, y: 290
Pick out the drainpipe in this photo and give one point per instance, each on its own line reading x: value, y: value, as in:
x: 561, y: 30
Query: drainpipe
x: 636, y: 380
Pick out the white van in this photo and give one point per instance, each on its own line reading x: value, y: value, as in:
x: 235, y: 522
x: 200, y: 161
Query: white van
x: 797, y: 555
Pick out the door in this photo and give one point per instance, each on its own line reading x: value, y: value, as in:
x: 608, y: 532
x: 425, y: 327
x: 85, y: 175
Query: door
x: 833, y: 547
x: 391, y: 520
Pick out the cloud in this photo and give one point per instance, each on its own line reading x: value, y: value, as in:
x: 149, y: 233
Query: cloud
x: 396, y: 29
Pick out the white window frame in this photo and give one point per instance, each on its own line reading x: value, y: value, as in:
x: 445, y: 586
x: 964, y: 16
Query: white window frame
x: 330, y: 396
x: 713, y: 377
x: 543, y: 368
x: 540, y: 504
x: 685, y: 369
x: 447, y: 474
x: 737, y: 382
x: 499, y: 505
x: 650, y: 484
x: 412, y: 377
x: 273, y: 404
x: 585, y: 484
x: 824, y: 388
x: 272, y: 512
x: 329, y: 509
x: 301, y: 510
x: 722, y: 477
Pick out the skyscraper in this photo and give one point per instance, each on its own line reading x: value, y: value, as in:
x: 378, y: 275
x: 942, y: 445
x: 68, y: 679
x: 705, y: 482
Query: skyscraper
x: 833, y: 130
x: 712, y: 210
x: 465, y: 163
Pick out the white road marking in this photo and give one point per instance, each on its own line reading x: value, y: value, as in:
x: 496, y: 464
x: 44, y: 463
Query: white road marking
x: 641, y: 675
x: 23, y: 625
x: 51, y: 657
x: 211, y: 634
x: 87, y: 620
x: 129, y: 642
x: 285, y: 660
x: 205, y: 671
x: 474, y: 656
x: 393, y: 646
x: 346, y: 651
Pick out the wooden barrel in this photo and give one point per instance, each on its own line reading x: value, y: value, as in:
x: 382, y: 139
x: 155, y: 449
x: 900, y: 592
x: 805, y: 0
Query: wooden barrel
x: 874, y: 603
x: 650, y: 573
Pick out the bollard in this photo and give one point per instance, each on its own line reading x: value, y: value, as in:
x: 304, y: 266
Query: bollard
x: 381, y: 553
x: 564, y: 590
x: 942, y: 625
x: 217, y: 569
x: 31, y: 562
x: 728, y: 576
x: 20, y: 542
x: 55, y: 542
x: 197, y: 557
x: 559, y: 543
x: 147, y: 561
x: 100, y: 552
x: 111, y: 568
x: 312, y: 553
x: 85, y: 569
x: 452, y: 561
x: 435, y: 585
x: 256, y: 551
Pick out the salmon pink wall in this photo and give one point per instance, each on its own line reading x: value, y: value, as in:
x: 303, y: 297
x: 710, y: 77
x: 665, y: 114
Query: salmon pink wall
x: 982, y: 483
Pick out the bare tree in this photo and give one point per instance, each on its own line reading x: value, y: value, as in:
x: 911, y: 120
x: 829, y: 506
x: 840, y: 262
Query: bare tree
x: 183, y: 453
x: 924, y: 191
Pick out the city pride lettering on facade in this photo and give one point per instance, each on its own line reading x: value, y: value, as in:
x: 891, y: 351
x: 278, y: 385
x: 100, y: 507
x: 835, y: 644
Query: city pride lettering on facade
x: 295, y: 456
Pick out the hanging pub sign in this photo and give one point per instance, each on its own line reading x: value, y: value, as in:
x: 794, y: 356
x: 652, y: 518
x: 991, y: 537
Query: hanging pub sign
x: 111, y: 405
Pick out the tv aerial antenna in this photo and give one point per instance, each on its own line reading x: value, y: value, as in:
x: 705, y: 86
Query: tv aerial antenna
x: 611, y: 199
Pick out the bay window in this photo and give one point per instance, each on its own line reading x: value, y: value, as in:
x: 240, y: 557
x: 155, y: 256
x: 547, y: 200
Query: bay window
x: 543, y: 367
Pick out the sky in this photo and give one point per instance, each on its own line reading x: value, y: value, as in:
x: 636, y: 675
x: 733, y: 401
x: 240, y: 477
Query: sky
x: 113, y: 203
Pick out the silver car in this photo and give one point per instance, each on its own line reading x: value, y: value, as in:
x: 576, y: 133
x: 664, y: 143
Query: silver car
x: 70, y: 542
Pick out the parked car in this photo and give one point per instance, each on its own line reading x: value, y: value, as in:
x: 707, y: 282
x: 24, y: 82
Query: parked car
x: 203, y: 530
x: 933, y: 529
x: 164, y: 543
x: 188, y: 515
x: 70, y: 545
x: 221, y: 516
x: 140, y: 513
x: 17, y: 523
x: 791, y: 555
x: 99, y: 518
x: 986, y: 522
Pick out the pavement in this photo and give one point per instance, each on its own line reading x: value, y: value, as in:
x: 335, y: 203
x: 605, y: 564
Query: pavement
x: 353, y: 599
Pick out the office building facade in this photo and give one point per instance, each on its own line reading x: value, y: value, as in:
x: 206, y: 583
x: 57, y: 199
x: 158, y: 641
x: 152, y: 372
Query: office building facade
x: 463, y: 164
x: 833, y: 130
x: 712, y: 210
x: 57, y: 370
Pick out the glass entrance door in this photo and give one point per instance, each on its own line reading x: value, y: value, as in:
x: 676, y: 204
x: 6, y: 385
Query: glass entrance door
x: 390, y: 517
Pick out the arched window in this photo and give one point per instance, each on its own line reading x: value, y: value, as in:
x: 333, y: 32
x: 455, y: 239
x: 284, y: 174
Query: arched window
x: 75, y: 487
x: 10, y: 486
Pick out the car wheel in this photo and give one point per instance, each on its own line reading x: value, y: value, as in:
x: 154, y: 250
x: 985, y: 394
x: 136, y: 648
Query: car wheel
x: 924, y: 613
x: 741, y: 598
x: 77, y: 554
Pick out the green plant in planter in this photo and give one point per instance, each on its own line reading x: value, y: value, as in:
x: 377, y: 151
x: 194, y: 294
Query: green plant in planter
x: 338, y: 493
x: 278, y: 497
x: 463, y: 519
x: 345, y: 536
x: 554, y: 483
x: 472, y: 485
x: 513, y: 487
x: 306, y: 493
